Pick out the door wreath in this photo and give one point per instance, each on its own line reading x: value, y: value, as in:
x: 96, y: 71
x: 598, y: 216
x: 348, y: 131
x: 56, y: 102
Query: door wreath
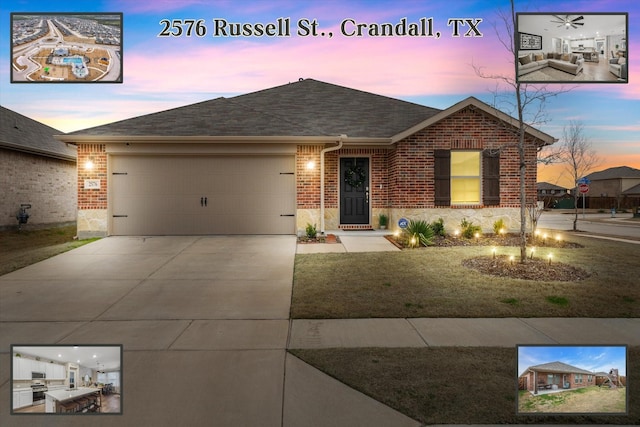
x: 354, y: 176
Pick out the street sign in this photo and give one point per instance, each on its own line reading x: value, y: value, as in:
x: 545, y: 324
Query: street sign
x: 584, y: 180
x: 583, y: 188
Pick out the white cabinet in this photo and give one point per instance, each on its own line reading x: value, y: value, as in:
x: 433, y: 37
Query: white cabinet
x: 59, y: 372
x: 22, y: 399
x: 21, y: 368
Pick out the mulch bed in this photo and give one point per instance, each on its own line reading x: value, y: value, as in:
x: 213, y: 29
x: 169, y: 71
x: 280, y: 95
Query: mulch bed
x: 329, y: 238
x: 493, y: 240
x: 533, y: 269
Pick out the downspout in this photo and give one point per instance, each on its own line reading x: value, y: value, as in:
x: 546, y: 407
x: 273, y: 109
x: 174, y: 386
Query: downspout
x: 326, y: 150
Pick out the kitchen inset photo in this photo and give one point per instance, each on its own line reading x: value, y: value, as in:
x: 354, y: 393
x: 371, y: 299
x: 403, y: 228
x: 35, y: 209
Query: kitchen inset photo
x: 572, y: 380
x: 66, y: 379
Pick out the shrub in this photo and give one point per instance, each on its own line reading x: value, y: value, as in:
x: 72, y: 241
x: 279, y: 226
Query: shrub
x: 419, y: 233
x: 311, y: 231
x: 438, y: 227
x: 469, y: 229
x: 498, y: 226
x: 383, y: 219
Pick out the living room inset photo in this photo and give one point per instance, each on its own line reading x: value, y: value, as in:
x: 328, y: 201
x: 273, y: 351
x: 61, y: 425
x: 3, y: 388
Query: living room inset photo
x: 571, y: 47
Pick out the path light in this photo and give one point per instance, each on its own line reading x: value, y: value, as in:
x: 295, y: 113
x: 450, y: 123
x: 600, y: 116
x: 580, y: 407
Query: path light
x: 511, y: 258
x: 537, y: 233
x: 493, y: 250
x: 456, y: 233
x: 558, y: 237
x: 544, y: 237
x: 502, y: 231
x: 550, y: 256
x: 413, y: 241
x: 396, y: 233
x: 477, y: 235
x: 533, y: 249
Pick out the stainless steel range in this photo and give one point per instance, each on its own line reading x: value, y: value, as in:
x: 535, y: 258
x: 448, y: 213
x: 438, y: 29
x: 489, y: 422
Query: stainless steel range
x: 38, y: 393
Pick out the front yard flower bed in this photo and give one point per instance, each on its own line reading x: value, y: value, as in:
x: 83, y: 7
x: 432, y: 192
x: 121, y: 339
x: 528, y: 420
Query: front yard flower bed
x: 534, y: 269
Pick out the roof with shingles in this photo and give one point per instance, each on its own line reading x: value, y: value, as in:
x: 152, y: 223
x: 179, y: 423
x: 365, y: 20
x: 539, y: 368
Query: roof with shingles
x: 20, y: 133
x: 558, y: 367
x: 548, y: 186
x: 303, y: 108
x: 615, y: 173
x: 632, y: 191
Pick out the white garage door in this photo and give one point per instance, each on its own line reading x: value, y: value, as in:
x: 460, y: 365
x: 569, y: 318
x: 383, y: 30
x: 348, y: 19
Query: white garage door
x: 177, y: 195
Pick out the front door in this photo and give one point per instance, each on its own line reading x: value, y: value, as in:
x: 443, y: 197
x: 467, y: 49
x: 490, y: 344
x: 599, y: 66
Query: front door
x: 354, y: 190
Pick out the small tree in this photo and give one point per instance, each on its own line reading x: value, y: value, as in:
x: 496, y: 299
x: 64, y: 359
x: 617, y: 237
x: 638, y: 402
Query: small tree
x: 579, y: 157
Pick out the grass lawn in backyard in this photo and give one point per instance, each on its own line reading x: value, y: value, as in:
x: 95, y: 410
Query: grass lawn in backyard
x: 433, y: 282
x: 25, y: 247
x: 588, y: 399
x: 452, y: 385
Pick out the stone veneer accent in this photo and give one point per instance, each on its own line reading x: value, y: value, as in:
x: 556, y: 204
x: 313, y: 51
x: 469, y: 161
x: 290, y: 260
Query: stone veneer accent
x: 92, y: 223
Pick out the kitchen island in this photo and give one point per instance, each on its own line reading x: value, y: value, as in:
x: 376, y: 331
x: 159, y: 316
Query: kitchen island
x: 82, y: 399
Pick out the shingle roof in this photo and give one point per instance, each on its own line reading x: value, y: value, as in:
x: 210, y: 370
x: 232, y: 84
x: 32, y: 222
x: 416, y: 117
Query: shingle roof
x: 18, y: 132
x: 558, y: 367
x: 615, y: 173
x: 304, y: 108
x: 632, y: 191
x: 548, y: 186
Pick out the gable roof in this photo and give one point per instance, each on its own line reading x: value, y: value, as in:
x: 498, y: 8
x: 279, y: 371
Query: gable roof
x: 304, y: 109
x: 615, y: 173
x: 559, y: 367
x: 548, y: 186
x: 20, y: 133
x: 632, y: 191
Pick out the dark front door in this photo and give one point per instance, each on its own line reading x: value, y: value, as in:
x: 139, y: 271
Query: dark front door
x: 354, y: 190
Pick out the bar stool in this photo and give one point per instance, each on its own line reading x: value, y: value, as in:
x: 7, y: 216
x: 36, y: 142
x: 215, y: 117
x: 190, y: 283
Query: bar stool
x: 66, y: 407
x: 83, y: 404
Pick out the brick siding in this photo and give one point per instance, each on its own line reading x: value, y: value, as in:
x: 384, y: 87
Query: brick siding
x: 92, y: 198
x: 48, y: 184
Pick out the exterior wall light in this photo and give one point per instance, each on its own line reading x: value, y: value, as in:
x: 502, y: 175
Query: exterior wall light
x: 88, y: 165
x: 311, y: 165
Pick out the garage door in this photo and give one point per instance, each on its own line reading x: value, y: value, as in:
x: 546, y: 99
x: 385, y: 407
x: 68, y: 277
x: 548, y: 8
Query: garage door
x: 177, y: 195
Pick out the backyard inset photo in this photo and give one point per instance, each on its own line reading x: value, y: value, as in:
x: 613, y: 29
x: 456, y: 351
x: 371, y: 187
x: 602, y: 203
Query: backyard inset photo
x: 572, y: 380
x: 571, y: 47
x: 66, y: 48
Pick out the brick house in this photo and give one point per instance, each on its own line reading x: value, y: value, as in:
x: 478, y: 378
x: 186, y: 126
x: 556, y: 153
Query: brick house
x: 37, y: 169
x: 555, y: 376
x: 271, y: 161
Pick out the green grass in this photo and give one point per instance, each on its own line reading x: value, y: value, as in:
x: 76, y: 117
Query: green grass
x: 431, y: 282
x: 454, y: 385
x: 19, y: 249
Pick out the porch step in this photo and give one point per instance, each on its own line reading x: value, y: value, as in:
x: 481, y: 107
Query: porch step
x: 356, y: 227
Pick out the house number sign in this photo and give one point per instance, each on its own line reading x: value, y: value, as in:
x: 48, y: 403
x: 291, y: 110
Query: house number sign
x: 91, y: 184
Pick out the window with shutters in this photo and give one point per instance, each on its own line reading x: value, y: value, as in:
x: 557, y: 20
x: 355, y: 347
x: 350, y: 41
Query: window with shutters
x: 465, y: 177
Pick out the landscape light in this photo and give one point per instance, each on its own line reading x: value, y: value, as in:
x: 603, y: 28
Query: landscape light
x: 558, y: 237
x: 511, y: 258
x: 550, y: 256
x: 533, y: 249
x: 456, y: 232
x: 477, y: 235
x: 493, y: 250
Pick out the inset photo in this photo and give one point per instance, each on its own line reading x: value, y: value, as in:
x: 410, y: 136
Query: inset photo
x: 66, y: 379
x: 572, y: 380
x: 572, y: 47
x: 66, y: 47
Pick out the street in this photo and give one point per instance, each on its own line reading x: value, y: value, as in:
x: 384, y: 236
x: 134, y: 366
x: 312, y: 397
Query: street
x: 621, y: 225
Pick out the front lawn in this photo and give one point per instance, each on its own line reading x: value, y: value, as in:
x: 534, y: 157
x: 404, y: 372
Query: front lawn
x: 456, y: 385
x: 433, y: 282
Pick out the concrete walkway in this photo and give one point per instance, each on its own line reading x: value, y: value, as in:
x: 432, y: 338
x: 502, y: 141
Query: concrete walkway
x: 204, y: 324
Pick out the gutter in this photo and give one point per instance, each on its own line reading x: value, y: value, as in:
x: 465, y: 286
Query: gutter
x: 322, y: 153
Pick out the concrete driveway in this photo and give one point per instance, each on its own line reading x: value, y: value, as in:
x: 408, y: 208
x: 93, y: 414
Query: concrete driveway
x: 204, y: 324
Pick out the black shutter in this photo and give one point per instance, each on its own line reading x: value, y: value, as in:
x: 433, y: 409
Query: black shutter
x: 490, y: 178
x: 442, y: 172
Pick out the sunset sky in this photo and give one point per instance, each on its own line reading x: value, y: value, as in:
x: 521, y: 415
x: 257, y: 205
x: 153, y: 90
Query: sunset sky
x: 167, y: 72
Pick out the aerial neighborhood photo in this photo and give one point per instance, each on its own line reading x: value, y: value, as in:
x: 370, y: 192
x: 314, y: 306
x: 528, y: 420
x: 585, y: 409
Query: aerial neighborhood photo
x: 53, y: 48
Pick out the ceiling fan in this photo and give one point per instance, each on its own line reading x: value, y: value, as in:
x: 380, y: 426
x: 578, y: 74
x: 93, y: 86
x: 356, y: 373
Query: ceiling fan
x: 566, y: 22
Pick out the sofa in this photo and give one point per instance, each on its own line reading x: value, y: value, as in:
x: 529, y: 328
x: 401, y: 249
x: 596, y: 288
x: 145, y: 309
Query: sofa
x: 618, y: 66
x: 567, y: 62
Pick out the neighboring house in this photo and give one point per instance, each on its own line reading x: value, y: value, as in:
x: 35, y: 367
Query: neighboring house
x: 555, y: 376
x: 554, y: 196
x: 613, y: 182
x: 37, y: 169
x: 611, y: 379
x: 271, y: 161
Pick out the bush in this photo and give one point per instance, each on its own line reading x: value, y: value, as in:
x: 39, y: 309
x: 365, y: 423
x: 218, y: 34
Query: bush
x: 468, y: 229
x: 438, y: 227
x: 499, y: 226
x: 311, y: 231
x: 419, y: 233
